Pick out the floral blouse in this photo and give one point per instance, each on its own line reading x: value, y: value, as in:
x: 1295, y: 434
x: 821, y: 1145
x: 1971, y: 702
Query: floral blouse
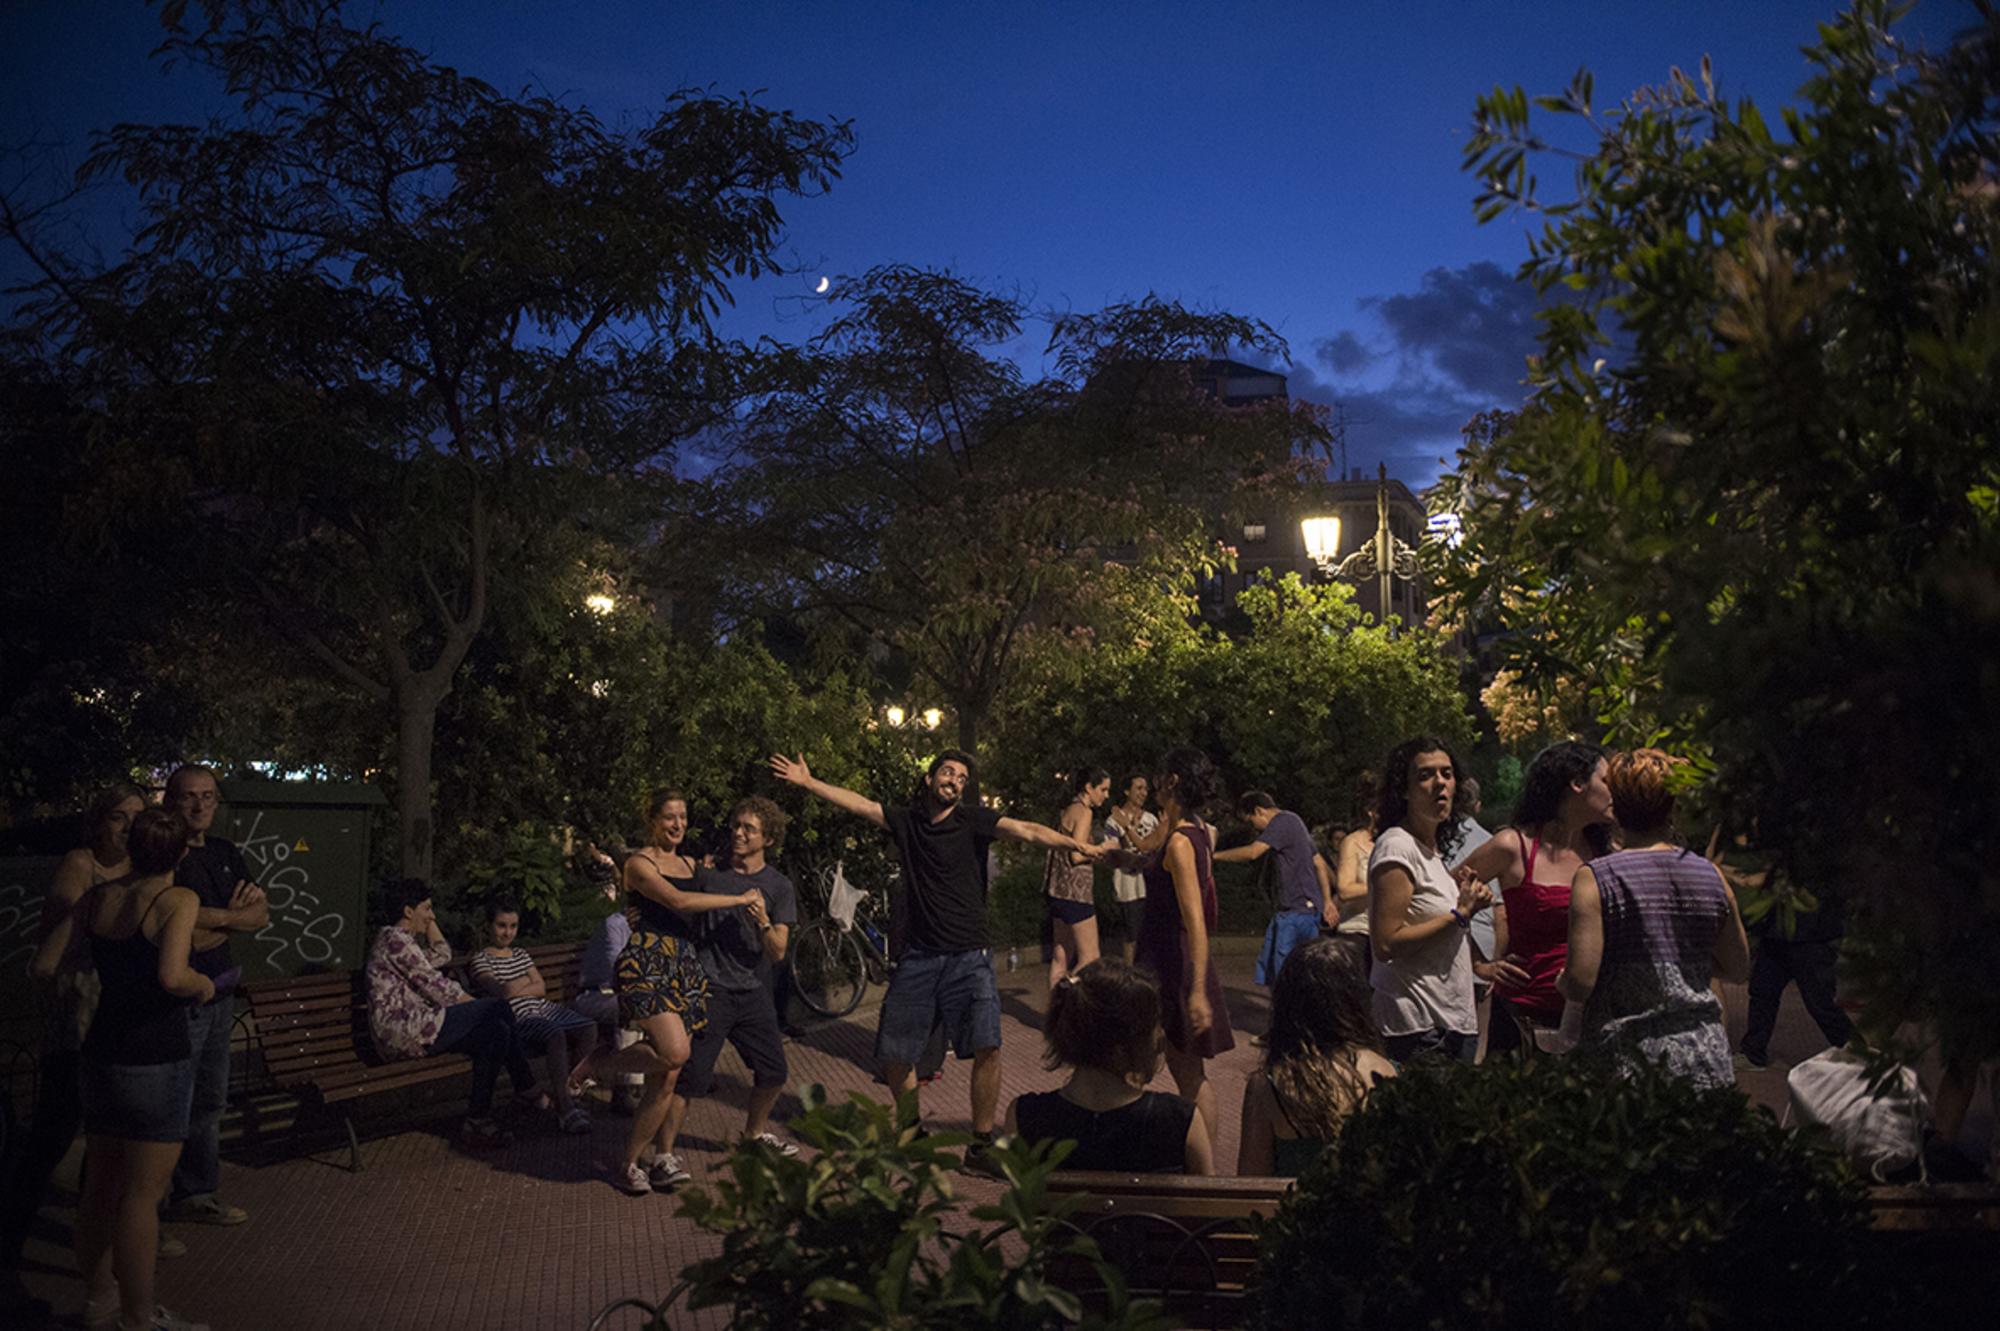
x: 408, y: 992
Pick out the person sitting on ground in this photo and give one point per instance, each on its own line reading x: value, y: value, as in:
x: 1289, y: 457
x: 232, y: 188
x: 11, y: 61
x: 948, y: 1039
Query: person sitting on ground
x: 1104, y: 1025
x: 566, y: 1037
x: 1649, y: 927
x: 415, y: 1009
x: 1324, y: 1057
x: 137, y: 1072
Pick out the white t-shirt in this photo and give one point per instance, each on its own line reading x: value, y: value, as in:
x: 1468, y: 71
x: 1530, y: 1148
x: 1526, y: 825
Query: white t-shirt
x: 1124, y: 885
x: 1429, y: 988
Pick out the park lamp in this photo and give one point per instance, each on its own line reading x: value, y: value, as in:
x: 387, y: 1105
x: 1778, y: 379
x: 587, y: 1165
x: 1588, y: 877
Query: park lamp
x: 1322, y: 539
x: 896, y: 715
x: 933, y: 717
x: 600, y: 603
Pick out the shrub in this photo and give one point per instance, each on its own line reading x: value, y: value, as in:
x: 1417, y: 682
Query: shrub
x: 1555, y: 1193
x: 857, y: 1235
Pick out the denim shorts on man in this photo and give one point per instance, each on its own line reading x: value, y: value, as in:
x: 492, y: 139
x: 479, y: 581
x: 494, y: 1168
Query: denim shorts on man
x: 956, y: 990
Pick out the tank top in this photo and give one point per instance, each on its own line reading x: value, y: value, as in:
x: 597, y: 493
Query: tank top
x: 657, y: 917
x: 1148, y: 1136
x: 137, y: 1020
x: 1538, y: 933
x: 1068, y: 882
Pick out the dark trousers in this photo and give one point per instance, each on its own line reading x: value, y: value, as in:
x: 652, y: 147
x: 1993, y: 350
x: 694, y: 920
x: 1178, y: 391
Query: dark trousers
x: 483, y: 1030
x: 198, y: 1173
x: 58, y: 1118
x: 1780, y: 962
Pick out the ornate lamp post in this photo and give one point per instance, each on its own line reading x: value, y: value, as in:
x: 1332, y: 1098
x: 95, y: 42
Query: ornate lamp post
x: 1385, y: 557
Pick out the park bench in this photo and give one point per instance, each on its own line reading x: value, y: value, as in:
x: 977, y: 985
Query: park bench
x: 1188, y: 1242
x: 311, y: 1035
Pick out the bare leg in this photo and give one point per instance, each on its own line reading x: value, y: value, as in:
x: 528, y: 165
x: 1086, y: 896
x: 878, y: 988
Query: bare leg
x: 582, y: 1056
x: 135, y: 1243
x: 902, y: 1079
x: 669, y: 1041
x: 985, y: 1088
x: 1083, y: 935
x: 1190, y: 1073
x: 1062, y: 956
x: 670, y: 1127
x: 758, y: 1119
x: 97, y: 1213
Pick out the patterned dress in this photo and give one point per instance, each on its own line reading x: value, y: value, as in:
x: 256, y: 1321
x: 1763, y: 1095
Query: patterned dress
x: 1162, y: 949
x: 658, y: 971
x: 1663, y: 910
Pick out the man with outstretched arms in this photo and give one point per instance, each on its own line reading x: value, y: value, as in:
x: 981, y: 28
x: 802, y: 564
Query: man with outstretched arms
x: 944, y: 961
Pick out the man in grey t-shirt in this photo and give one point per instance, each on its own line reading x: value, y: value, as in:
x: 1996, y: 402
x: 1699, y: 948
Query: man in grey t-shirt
x: 736, y: 948
x: 1303, y: 901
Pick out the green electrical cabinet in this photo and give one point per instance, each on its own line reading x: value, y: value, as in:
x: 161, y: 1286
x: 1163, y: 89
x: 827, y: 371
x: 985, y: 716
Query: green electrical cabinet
x: 307, y: 845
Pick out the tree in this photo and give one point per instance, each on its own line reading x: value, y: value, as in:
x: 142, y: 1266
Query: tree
x: 1754, y: 493
x: 383, y: 328
x: 906, y: 486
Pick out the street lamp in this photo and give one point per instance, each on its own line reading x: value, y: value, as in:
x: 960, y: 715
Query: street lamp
x: 895, y: 715
x: 1384, y: 557
x: 933, y: 717
x: 600, y: 603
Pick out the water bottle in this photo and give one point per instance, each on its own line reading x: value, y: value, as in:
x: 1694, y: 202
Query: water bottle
x: 1013, y: 959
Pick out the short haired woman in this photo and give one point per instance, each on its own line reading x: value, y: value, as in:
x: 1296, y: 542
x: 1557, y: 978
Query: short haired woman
x: 564, y: 1036
x: 1649, y: 927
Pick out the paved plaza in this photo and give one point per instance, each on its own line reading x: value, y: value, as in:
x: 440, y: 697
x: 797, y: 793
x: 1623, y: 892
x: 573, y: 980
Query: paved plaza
x: 532, y: 1236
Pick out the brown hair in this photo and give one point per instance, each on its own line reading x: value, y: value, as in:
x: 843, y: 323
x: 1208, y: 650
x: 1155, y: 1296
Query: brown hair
x: 657, y: 799
x: 104, y: 802
x: 769, y: 817
x: 156, y: 840
x: 1106, y: 1016
x: 191, y: 769
x: 1642, y: 794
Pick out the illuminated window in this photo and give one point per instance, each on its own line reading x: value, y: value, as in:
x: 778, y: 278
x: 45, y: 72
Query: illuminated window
x: 1253, y: 531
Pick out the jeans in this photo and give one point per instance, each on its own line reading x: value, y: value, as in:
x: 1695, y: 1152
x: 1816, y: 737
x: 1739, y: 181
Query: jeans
x: 58, y: 1116
x: 199, y: 1172
x: 483, y: 1030
x: 1455, y: 1045
x: 1779, y: 962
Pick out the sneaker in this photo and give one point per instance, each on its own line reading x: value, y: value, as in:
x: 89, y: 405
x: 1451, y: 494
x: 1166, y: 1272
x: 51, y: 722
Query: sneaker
x: 1745, y: 1063
x: 979, y: 1158
x: 209, y: 1210
x: 630, y: 1179
x: 483, y: 1134
x: 100, y: 1311
x: 165, y: 1319
x: 775, y: 1142
x: 576, y: 1123
x: 171, y: 1246
x: 666, y: 1171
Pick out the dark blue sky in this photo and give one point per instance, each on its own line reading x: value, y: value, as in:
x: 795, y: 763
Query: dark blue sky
x: 1297, y: 162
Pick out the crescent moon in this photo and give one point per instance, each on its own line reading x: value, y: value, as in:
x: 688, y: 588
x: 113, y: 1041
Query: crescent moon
x: 824, y: 283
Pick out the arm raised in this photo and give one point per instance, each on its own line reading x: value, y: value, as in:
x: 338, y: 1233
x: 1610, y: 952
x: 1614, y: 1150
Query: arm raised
x: 795, y: 771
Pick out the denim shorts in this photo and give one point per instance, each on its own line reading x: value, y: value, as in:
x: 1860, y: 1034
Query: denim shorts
x: 955, y: 990
x: 141, y: 1102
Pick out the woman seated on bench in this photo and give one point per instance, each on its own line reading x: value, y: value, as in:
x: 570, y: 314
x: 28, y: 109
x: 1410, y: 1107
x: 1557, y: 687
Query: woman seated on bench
x: 565, y: 1036
x: 1104, y: 1025
x: 1325, y: 1054
x: 415, y: 1009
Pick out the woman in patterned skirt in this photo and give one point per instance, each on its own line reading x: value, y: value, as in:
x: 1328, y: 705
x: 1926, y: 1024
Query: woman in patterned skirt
x: 1070, y: 880
x: 662, y: 990
x: 1649, y: 927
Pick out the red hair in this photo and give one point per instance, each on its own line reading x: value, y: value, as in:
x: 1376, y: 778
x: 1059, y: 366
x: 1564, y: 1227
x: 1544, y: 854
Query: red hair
x: 1642, y: 791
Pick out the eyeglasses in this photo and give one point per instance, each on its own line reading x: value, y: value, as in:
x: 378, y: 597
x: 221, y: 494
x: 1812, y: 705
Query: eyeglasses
x: 750, y: 829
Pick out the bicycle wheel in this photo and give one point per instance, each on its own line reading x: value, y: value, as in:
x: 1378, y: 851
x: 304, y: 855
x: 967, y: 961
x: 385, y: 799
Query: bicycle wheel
x: 827, y: 969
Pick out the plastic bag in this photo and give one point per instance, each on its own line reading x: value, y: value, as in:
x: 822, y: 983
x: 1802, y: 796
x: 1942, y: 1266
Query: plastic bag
x: 843, y: 897
x: 1882, y: 1133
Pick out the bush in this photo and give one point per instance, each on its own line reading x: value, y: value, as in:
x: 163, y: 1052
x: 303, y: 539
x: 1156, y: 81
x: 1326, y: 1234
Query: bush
x: 856, y: 1235
x: 1555, y: 1193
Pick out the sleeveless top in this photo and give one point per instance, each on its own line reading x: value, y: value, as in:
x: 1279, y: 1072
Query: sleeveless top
x: 1162, y: 948
x: 1663, y: 910
x: 1148, y: 1136
x: 1069, y: 882
x: 1537, y: 932
x: 650, y: 916
x: 137, y: 1021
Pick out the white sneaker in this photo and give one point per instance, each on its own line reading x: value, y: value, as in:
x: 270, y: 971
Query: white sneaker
x: 776, y: 1143
x: 666, y: 1171
x: 166, y: 1320
x: 630, y: 1179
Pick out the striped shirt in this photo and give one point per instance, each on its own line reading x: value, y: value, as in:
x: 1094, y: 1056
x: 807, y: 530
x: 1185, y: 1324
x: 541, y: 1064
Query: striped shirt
x: 497, y: 972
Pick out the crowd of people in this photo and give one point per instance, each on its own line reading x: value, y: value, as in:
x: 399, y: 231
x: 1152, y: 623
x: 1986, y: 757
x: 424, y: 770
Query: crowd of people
x: 1586, y: 921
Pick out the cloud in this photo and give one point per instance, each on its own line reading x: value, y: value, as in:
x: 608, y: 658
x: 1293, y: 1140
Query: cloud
x: 1433, y: 358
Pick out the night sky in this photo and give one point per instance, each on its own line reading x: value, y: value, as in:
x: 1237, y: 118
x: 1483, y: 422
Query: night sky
x: 1296, y: 162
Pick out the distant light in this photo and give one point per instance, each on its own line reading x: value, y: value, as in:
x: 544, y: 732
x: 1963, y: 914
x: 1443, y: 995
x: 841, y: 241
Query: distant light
x: 1448, y: 528
x: 825, y: 285
x: 895, y: 715
x: 932, y: 718
x: 600, y: 603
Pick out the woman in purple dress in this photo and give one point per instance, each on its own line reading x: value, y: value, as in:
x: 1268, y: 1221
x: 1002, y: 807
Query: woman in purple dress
x: 1173, y: 939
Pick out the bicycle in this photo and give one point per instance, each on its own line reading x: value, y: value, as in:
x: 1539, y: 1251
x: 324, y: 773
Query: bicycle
x: 833, y: 964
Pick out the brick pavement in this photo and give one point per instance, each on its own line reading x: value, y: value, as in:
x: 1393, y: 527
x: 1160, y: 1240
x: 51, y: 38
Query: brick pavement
x: 532, y: 1236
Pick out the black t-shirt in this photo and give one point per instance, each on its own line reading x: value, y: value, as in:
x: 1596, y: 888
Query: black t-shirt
x: 942, y: 906
x: 212, y: 870
x: 732, y: 949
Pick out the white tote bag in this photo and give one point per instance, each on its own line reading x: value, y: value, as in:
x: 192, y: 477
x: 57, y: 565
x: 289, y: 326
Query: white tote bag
x: 843, y: 897
x: 1879, y: 1133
